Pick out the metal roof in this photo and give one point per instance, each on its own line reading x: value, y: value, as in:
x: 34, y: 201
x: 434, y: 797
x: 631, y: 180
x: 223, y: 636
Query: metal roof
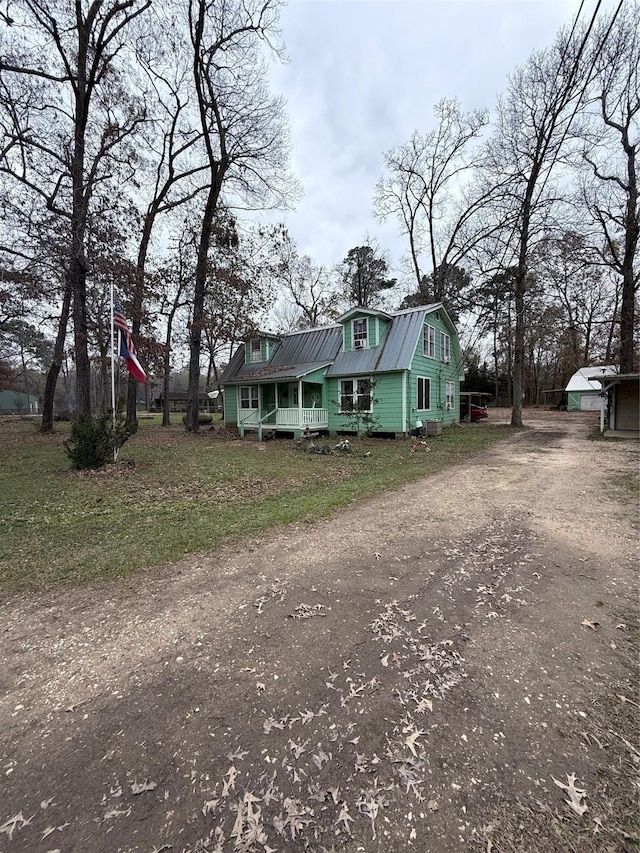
x: 588, y: 378
x: 300, y: 353
x: 310, y: 345
x: 395, y: 351
x: 237, y: 360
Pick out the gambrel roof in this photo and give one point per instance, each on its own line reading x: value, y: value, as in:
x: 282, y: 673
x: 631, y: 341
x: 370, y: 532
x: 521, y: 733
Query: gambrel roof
x: 587, y: 378
x: 305, y: 351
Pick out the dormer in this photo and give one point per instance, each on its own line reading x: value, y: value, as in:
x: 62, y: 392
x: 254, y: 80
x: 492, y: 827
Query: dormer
x: 260, y: 348
x: 363, y: 328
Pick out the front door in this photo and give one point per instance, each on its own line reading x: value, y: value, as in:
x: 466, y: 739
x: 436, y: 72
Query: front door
x: 268, y: 398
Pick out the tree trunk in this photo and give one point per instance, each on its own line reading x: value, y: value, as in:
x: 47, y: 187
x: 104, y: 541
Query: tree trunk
x: 77, y: 281
x: 195, y: 338
x: 632, y: 232
x: 56, y: 364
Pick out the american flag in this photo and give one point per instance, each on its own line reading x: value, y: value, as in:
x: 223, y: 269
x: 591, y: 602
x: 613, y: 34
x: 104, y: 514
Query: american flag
x: 127, y: 349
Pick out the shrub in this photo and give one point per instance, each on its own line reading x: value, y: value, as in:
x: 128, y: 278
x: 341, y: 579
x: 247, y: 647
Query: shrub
x: 203, y: 418
x: 93, y: 440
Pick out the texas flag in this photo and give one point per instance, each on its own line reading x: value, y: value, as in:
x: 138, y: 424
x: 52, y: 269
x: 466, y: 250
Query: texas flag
x: 127, y: 348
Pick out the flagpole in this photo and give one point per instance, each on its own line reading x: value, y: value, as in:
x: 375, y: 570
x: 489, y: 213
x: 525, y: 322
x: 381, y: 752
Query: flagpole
x: 113, y: 372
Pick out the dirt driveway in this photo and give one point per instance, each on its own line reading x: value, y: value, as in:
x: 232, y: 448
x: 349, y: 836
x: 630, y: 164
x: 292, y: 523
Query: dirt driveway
x: 447, y: 667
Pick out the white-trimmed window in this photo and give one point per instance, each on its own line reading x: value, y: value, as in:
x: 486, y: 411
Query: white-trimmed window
x: 249, y: 397
x: 423, y: 394
x: 451, y: 397
x: 255, y: 349
x: 445, y: 347
x: 428, y: 341
x: 355, y: 395
x: 360, y: 333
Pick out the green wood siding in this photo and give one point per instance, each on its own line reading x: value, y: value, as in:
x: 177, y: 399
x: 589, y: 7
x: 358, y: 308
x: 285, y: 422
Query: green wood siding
x: 231, y: 405
x: 376, y: 327
x: 388, y: 409
x: 573, y: 401
x: 438, y: 373
x: 267, y: 349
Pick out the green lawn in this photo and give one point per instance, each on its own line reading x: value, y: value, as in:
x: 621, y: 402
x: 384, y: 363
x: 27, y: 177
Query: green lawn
x: 172, y: 494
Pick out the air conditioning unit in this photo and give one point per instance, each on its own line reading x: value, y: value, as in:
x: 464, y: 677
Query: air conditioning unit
x: 359, y: 344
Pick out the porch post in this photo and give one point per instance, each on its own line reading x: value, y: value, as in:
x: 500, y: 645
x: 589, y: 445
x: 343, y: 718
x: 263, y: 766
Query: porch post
x: 404, y: 403
x: 300, y: 402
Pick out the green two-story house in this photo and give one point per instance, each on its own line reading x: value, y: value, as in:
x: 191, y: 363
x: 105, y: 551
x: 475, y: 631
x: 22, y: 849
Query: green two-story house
x: 400, y: 367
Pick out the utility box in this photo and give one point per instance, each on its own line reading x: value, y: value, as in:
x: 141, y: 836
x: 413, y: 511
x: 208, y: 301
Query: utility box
x: 434, y: 428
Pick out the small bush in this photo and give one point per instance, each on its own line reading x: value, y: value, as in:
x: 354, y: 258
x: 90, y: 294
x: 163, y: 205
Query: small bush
x: 203, y: 419
x: 93, y: 440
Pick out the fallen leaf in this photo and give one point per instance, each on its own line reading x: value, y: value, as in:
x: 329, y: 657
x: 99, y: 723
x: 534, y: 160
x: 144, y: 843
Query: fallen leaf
x: 18, y: 821
x: 344, y: 817
x: 411, y: 739
x: 75, y: 705
x: 575, y: 795
x: 588, y: 624
x: 143, y: 786
x: 209, y: 807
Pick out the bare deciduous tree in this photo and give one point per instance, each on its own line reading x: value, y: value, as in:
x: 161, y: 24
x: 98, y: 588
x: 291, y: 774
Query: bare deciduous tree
x: 428, y: 188
x: 309, y: 290
x: 532, y: 123
x: 242, y: 128
x: 65, y: 112
x: 611, y: 150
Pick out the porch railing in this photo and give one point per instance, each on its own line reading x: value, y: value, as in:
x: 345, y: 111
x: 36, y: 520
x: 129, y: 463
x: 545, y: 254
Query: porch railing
x: 300, y: 418
x: 284, y: 419
x: 248, y: 417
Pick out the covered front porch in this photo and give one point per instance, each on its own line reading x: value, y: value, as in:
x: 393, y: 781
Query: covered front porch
x: 282, y: 407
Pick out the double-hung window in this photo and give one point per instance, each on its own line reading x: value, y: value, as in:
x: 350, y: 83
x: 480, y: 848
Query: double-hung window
x: 256, y: 350
x: 424, y: 394
x: 450, y: 396
x: 355, y: 395
x: 360, y: 329
x: 428, y: 341
x: 445, y: 347
x: 249, y: 397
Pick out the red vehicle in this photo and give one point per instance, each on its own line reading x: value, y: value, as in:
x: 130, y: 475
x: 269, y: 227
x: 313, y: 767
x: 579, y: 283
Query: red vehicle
x: 472, y: 411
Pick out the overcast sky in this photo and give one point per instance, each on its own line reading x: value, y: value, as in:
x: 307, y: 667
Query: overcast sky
x: 364, y: 74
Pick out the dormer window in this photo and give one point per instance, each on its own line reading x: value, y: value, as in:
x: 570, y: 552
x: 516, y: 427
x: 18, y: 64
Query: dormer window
x: 360, y: 333
x: 256, y: 350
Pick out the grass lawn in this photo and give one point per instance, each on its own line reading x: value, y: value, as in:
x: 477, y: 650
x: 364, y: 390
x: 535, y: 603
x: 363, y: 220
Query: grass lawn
x: 173, y: 494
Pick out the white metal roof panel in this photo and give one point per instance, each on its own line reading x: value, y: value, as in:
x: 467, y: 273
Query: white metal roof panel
x: 586, y: 378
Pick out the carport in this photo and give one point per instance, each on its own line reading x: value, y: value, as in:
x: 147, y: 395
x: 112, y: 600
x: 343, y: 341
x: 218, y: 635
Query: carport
x: 468, y: 399
x: 621, y: 397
